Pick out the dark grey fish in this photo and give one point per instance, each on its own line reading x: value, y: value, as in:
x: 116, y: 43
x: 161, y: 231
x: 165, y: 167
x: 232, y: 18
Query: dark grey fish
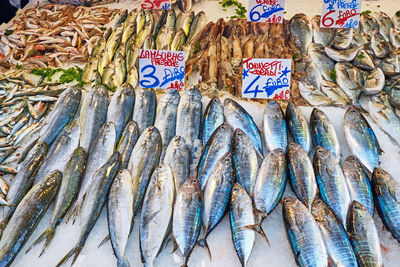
x: 144, y: 112
x: 212, y: 118
x: 127, y: 141
x: 298, y: 127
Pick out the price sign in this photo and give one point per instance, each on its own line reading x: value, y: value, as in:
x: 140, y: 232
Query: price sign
x: 161, y: 69
x: 340, y: 13
x: 270, y: 11
x: 266, y: 78
x: 156, y: 4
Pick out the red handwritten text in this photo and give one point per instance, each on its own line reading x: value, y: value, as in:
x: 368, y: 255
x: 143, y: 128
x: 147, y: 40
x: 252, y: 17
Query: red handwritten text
x: 162, y: 58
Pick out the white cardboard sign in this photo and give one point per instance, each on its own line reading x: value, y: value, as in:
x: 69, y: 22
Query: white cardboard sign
x: 340, y: 13
x: 270, y: 11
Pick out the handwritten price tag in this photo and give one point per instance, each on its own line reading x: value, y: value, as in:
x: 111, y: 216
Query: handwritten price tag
x: 156, y: 4
x: 270, y: 11
x: 340, y: 13
x: 162, y: 69
x: 266, y: 78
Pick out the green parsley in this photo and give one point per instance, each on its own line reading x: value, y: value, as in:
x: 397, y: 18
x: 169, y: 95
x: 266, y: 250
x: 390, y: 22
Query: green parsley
x: 196, y: 47
x: 240, y: 10
x: 295, y: 55
x: 332, y: 75
x: 69, y: 75
x: 8, y: 32
x: 366, y: 12
x: 18, y: 66
x: 360, y: 56
x: 398, y: 13
x: 103, y: 28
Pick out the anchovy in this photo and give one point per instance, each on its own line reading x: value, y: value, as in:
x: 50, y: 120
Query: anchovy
x: 144, y: 159
x: 99, y: 153
x: 358, y: 182
x: 26, y: 216
x: 177, y: 156
x: 156, y: 216
x: 23, y: 181
x: 323, y: 133
x: 127, y: 141
x: 145, y: 109
x: 331, y: 183
x: 96, y: 196
x: 121, y: 108
x: 303, y: 234
x: 213, y: 117
x: 63, y: 112
x: 218, y: 144
x: 364, y: 236
x: 186, y: 220
x: 216, y: 195
x: 245, y: 160
x: 59, y: 153
x: 361, y: 138
x: 302, y: 175
x: 336, y: 241
x: 274, y: 126
x: 237, y: 117
x: 71, y: 178
x: 166, y: 118
x: 93, y: 115
x: 298, y: 127
x: 240, y: 216
x: 120, y: 214
x: 387, y: 195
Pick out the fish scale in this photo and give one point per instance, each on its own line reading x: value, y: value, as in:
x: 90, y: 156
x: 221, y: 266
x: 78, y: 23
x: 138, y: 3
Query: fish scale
x: 274, y: 126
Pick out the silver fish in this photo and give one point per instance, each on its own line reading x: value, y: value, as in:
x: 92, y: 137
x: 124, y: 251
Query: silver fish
x: 385, y: 24
x: 120, y: 214
x: 303, y: 234
x: 145, y: 109
x: 186, y: 220
x: 144, y: 159
x: 379, y: 46
x: 93, y: 115
x: 343, y: 55
x: 350, y: 80
x: 127, y: 141
x: 302, y: 175
x: 368, y: 24
x: 213, y: 117
x: 324, y: 64
x: 343, y: 38
x: 274, y: 126
x: 165, y: 122
x: 313, y: 95
x: 298, y: 127
x: 364, y: 60
x: 156, y: 216
x: 177, y: 156
x: 335, y: 93
x: 394, y: 37
x: 323, y: 36
x: 121, y: 108
x: 300, y: 29
x: 312, y: 75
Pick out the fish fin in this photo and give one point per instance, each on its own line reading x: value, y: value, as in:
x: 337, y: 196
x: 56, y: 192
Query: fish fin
x: 27, y: 150
x: 104, y: 240
x: 259, y: 154
x: 49, y: 238
x: 203, y: 243
x: 73, y: 252
x: 258, y: 229
x: 385, y: 249
x: 40, y: 238
x: 75, y: 210
x: 175, y: 244
x: 123, y: 262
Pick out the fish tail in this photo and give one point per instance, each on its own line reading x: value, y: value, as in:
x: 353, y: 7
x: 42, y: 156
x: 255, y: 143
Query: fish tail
x: 258, y: 228
x: 104, y: 240
x: 123, y: 262
x: 74, y: 212
x: 73, y: 252
x: 49, y: 238
x: 203, y: 243
x: 44, y: 235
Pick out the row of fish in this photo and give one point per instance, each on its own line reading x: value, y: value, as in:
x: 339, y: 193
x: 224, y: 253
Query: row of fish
x: 114, y: 60
x: 338, y: 66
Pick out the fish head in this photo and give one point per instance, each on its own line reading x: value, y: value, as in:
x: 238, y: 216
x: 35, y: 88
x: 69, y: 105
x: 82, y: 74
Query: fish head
x: 238, y: 193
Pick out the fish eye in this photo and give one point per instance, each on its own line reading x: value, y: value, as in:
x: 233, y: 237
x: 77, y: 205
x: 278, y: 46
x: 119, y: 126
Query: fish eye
x: 319, y: 201
x: 286, y: 200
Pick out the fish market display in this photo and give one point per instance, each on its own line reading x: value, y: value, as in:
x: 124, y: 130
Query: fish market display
x: 51, y: 34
